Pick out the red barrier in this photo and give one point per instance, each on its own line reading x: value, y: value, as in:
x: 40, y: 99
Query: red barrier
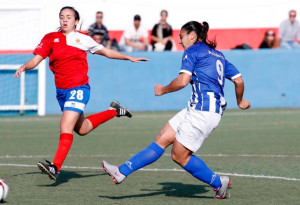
x: 15, y: 51
x: 230, y: 38
x: 226, y: 38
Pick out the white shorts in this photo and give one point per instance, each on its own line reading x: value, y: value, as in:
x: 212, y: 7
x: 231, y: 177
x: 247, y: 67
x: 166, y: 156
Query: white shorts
x: 192, y: 127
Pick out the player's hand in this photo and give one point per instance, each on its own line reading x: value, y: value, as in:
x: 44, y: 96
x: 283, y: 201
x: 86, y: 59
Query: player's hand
x: 137, y: 60
x: 244, y: 104
x: 19, y: 71
x: 159, y: 90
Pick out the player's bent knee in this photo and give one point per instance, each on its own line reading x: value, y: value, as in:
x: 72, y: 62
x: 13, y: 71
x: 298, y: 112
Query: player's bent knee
x: 164, y: 139
x: 163, y: 142
x: 81, y: 132
x: 176, y: 158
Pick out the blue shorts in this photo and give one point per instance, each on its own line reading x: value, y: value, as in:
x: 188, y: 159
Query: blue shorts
x: 74, y: 99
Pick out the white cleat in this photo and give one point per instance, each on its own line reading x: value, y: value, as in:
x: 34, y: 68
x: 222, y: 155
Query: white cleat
x: 116, y: 176
x: 221, y: 193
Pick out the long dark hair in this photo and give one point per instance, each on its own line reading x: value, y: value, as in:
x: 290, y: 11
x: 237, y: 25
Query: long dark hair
x: 272, y: 43
x: 201, y: 30
x: 76, y: 14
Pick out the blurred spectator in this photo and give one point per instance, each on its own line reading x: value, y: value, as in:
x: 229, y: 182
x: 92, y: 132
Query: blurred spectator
x: 162, y: 34
x: 243, y: 46
x: 269, y: 40
x: 98, y: 25
x: 135, y: 38
x: 99, y: 37
x: 288, y: 31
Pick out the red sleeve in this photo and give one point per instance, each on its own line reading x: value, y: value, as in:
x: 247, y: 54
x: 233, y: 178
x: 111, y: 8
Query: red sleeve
x: 44, y: 47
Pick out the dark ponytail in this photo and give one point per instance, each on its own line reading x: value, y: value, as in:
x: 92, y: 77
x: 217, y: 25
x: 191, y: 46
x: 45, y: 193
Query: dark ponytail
x: 201, y: 30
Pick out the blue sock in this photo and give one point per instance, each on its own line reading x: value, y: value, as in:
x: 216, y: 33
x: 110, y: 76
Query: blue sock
x: 200, y: 170
x: 141, y: 159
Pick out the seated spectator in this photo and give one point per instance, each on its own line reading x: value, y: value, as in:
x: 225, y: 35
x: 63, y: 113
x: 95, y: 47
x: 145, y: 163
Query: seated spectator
x: 162, y: 34
x: 99, y: 37
x: 98, y: 25
x: 243, y: 46
x: 269, y: 40
x: 135, y: 38
x: 289, y: 30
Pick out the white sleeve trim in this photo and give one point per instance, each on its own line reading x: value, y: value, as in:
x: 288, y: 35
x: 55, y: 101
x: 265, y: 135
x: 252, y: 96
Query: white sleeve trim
x: 96, y: 48
x: 185, y: 71
x: 236, y: 76
x: 83, y: 42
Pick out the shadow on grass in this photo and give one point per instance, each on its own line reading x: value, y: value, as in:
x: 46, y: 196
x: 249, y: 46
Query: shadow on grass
x: 173, y: 189
x: 64, y: 176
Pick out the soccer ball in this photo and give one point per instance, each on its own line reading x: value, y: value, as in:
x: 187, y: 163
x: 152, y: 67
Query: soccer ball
x: 4, y: 189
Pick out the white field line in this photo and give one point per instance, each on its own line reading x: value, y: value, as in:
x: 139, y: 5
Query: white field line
x: 31, y: 119
x: 246, y: 155
x: 150, y: 115
x: 165, y: 155
x: 287, y: 112
x: 166, y: 170
x: 241, y: 113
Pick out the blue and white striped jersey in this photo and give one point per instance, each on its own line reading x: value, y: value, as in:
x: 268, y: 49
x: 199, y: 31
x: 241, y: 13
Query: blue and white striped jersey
x: 208, y: 69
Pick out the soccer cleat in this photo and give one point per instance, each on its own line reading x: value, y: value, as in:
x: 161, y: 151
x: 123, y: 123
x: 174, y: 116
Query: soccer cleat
x: 49, y: 169
x: 116, y: 176
x: 121, y: 111
x: 221, y: 193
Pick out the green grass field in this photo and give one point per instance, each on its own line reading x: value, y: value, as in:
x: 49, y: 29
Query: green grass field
x: 259, y: 149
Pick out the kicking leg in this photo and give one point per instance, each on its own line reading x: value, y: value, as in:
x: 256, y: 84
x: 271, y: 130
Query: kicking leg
x: 85, y: 125
x: 151, y: 153
x: 145, y: 157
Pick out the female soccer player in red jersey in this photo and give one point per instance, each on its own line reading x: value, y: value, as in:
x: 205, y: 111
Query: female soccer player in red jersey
x: 66, y: 50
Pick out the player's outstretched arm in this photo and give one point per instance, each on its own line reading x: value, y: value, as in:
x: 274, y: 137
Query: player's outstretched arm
x: 32, y: 63
x: 239, y: 92
x: 109, y: 53
x: 178, y: 83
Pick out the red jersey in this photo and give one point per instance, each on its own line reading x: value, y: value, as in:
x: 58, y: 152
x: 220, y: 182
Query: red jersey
x: 67, y: 57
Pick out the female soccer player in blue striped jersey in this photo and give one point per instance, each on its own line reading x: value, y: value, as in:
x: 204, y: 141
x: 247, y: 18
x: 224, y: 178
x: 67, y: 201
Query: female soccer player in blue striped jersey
x: 205, y: 69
